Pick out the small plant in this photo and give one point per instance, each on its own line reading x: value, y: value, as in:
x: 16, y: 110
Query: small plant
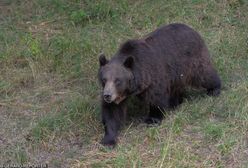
x: 79, y: 16
x: 213, y: 131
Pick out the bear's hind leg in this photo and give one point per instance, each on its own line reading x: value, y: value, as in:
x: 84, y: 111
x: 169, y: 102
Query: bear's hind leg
x: 210, y: 80
x: 175, y: 101
x: 176, y: 97
x: 205, y: 75
x: 155, y: 116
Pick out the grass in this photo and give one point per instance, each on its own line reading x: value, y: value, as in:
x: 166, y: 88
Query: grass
x: 49, y: 96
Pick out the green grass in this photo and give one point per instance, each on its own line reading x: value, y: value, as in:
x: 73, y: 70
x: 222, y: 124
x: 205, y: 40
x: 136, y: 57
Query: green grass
x: 49, y: 95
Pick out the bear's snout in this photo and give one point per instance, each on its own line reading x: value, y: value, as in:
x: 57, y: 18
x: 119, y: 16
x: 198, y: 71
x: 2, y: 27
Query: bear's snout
x: 107, y: 98
x: 109, y: 92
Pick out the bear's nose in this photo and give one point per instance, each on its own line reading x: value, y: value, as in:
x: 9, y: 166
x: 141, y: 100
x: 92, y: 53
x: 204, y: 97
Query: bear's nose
x: 107, y: 97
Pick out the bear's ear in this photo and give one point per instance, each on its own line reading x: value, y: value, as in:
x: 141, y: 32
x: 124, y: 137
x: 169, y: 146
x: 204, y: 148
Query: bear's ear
x: 102, y: 60
x: 128, y: 62
x: 129, y: 46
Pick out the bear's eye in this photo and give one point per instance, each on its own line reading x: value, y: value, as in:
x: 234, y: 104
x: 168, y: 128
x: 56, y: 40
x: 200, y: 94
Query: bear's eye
x: 117, y: 81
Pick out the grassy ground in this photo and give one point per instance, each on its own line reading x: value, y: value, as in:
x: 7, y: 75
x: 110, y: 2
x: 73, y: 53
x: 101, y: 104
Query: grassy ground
x: 49, y: 94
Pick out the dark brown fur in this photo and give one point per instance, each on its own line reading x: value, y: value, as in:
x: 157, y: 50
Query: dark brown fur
x: 163, y: 64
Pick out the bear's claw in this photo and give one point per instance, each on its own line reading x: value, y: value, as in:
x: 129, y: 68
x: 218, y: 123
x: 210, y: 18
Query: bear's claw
x: 153, y: 121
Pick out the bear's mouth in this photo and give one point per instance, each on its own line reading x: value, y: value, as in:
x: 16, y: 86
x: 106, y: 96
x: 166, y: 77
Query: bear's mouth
x: 116, y: 100
x: 119, y: 99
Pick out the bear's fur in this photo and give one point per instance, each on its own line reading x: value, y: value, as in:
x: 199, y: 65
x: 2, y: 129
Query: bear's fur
x: 157, y: 69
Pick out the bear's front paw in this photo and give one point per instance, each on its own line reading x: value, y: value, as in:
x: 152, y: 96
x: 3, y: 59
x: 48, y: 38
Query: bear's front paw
x: 153, y: 121
x: 213, y: 92
x: 108, y: 141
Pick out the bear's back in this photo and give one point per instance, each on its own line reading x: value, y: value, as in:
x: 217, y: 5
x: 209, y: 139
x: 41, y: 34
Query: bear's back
x: 175, y: 40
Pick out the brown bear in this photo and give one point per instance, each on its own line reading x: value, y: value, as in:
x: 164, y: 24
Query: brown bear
x: 157, y: 69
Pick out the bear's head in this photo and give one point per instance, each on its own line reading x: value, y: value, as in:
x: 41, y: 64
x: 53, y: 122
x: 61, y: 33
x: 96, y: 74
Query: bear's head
x: 116, y: 78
